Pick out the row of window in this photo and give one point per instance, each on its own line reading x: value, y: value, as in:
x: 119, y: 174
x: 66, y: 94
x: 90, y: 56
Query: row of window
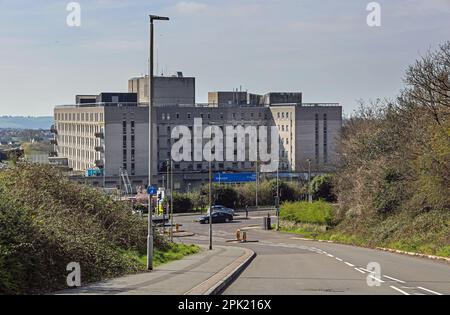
x: 125, y: 146
x: 167, y: 116
x: 325, y: 139
x: 78, y: 141
x: 79, y: 154
x: 77, y: 128
x: 217, y: 166
x: 284, y: 128
x: 91, y: 117
x: 283, y: 115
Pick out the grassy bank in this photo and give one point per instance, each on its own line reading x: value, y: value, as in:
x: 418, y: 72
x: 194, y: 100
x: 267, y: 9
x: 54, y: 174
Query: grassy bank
x: 425, y: 233
x: 47, y: 222
x: 303, y: 212
x: 172, y: 253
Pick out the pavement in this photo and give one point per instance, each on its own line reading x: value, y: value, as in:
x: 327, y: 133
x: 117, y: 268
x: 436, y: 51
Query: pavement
x: 206, y: 273
x: 287, y: 264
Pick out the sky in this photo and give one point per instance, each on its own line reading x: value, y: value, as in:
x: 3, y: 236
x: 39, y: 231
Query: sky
x: 324, y: 49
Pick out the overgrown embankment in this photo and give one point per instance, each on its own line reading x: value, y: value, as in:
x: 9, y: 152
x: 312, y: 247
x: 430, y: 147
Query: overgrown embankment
x: 426, y: 233
x: 46, y: 222
x: 393, y: 179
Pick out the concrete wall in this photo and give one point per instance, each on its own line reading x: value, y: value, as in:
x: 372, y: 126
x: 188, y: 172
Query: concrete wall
x: 168, y: 90
x: 114, y: 140
x: 311, y: 145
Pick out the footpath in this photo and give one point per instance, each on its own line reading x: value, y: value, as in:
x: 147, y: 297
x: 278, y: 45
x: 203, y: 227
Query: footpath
x: 206, y: 273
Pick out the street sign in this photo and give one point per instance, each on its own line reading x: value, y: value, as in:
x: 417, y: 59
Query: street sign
x: 152, y: 190
x: 233, y: 178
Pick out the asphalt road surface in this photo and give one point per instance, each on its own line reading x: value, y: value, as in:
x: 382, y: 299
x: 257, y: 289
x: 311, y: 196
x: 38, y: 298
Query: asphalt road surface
x: 288, y: 265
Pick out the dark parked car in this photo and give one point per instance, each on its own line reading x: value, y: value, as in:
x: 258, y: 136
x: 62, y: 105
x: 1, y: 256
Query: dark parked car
x: 218, y: 208
x: 217, y: 217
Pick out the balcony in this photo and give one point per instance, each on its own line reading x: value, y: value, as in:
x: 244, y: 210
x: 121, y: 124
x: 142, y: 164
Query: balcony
x: 99, y: 135
x: 100, y: 149
x: 53, y: 154
x: 54, y: 142
x: 53, y: 130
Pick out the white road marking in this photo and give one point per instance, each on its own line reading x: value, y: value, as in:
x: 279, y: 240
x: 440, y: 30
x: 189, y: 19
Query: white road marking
x: 428, y: 290
x: 338, y: 259
x: 376, y: 279
x: 399, y: 290
x: 349, y: 264
x: 369, y: 271
x: 360, y: 270
x: 391, y: 278
x: 329, y: 255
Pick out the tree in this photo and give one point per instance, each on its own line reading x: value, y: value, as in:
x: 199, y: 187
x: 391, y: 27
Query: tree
x: 182, y: 203
x: 322, y: 188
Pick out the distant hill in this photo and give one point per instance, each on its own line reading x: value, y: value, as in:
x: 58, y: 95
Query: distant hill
x: 20, y: 122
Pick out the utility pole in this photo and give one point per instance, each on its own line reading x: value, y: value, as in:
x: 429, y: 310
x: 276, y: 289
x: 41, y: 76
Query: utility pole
x: 171, y: 199
x: 310, y: 199
x: 257, y: 184
x: 150, y: 140
x: 210, y: 191
x: 277, y: 202
x: 210, y: 203
x: 165, y: 202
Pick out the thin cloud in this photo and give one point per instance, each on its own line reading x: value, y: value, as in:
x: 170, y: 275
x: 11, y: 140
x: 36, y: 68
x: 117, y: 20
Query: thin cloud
x: 190, y: 8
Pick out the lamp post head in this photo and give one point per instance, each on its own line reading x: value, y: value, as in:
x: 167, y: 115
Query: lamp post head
x: 158, y: 18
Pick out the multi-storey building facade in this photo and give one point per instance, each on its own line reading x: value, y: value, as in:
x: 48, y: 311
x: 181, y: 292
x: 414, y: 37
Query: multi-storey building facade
x: 113, y: 134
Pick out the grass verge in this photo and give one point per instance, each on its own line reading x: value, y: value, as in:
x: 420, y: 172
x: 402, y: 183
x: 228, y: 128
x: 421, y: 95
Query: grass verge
x: 318, y: 212
x: 172, y: 253
x: 424, y: 233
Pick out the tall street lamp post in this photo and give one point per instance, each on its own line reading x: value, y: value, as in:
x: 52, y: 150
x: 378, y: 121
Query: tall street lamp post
x: 309, y: 181
x: 171, y: 199
x: 150, y: 140
x: 277, y: 200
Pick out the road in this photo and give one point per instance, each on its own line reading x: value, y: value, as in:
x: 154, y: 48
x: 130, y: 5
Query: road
x: 288, y: 265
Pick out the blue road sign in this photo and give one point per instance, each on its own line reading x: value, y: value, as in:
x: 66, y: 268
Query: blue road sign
x: 233, y: 178
x: 152, y: 190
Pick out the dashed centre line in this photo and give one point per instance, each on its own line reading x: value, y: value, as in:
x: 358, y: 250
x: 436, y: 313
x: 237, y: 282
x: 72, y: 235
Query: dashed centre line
x: 360, y: 269
x: 376, y: 279
x: 392, y: 278
x: 399, y: 290
x: 430, y: 291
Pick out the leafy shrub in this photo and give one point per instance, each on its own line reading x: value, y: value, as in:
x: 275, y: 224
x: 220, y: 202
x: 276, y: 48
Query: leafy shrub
x: 47, y: 222
x: 322, y: 188
x: 182, y: 203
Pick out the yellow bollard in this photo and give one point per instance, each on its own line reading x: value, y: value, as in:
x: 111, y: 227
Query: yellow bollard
x: 244, y: 237
x: 238, y: 235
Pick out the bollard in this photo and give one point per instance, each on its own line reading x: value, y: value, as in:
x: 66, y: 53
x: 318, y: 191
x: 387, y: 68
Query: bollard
x: 244, y: 237
x: 177, y: 228
x: 238, y: 235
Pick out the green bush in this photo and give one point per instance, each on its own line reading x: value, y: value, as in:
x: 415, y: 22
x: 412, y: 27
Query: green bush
x: 182, y: 203
x: 46, y: 222
x: 303, y: 212
x: 322, y: 188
